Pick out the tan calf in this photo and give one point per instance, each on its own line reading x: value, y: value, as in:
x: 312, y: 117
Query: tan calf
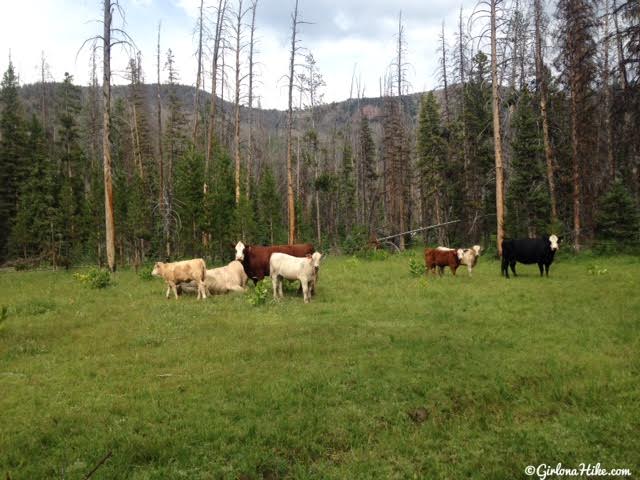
x: 185, y: 271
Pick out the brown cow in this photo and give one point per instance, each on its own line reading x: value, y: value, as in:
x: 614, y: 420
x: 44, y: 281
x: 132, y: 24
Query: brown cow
x: 185, y: 271
x: 435, y: 257
x: 255, y: 258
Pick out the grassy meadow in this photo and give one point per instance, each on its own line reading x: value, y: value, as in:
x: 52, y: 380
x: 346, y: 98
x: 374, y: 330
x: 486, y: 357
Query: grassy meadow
x: 383, y: 375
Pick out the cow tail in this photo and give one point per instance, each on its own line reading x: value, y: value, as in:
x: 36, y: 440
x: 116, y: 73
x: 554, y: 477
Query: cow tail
x: 204, y: 269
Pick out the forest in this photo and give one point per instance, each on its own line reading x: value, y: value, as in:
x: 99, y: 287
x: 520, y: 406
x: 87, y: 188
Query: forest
x: 534, y: 129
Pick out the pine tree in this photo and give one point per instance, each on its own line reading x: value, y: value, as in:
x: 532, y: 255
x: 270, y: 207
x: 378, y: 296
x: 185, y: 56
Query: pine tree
x: 269, y: 210
x: 617, y: 218
x: 368, y: 175
x: 187, y: 187
x: 431, y: 153
x: 219, y: 204
x: 347, y: 189
x: 528, y: 203
x: 13, y: 167
x: 31, y: 232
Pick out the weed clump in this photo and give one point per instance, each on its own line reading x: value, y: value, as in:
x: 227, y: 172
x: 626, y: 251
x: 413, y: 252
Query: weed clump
x: 94, y: 278
x: 258, y: 296
x: 416, y: 268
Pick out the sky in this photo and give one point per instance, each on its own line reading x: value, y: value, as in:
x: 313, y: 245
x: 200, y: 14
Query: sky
x: 344, y: 36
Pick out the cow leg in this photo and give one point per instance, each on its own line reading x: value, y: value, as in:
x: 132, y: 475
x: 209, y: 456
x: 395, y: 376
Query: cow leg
x: 168, y: 291
x: 175, y: 290
x: 469, y: 269
x: 504, y: 267
x: 546, y: 268
x: 274, y: 283
x: 513, y: 268
x: 453, y: 269
x: 541, y: 267
x: 280, y: 286
x: 305, y: 290
x: 440, y: 270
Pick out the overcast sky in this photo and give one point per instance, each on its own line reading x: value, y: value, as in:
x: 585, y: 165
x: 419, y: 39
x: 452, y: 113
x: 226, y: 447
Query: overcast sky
x: 342, y: 35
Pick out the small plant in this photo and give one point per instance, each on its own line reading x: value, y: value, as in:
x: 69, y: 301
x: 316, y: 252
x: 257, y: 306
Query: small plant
x: 596, y: 270
x: 145, y: 272
x: 4, y: 312
x: 258, y: 296
x: 94, y: 278
x: 416, y: 268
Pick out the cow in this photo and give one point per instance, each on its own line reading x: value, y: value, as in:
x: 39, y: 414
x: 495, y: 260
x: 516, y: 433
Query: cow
x: 529, y: 250
x: 230, y: 278
x: 179, y: 272
x: 441, y: 257
x: 255, y: 258
x: 286, y: 266
x: 469, y: 256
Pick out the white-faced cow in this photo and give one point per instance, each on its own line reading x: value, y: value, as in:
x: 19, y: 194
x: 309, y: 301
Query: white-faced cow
x: 529, y: 250
x: 286, y: 266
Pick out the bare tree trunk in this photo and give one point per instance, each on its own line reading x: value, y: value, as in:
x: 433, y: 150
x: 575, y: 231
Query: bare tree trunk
x: 622, y: 65
x: 43, y: 100
x: 222, y: 6
x: 607, y: 97
x: 196, y: 103
x: 254, y: 6
x: 575, y: 163
x: 236, y: 141
x: 542, y: 86
x: 497, y: 137
x: 106, y: 140
x: 290, y: 192
x: 443, y: 62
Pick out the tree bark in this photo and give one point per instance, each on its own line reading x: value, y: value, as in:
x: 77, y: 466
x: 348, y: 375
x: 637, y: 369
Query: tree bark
x: 106, y: 138
x: 542, y: 86
x: 196, y: 102
x: 290, y: 192
x: 236, y: 141
x: 222, y: 6
x: 497, y: 137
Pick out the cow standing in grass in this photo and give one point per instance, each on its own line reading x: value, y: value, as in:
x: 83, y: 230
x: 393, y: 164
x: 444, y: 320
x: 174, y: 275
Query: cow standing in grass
x: 441, y: 257
x: 286, y: 266
x: 529, y: 250
x: 469, y: 256
x: 179, y: 272
x: 255, y: 258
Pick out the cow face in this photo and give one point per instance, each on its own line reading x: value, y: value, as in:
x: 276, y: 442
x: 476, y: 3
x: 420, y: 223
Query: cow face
x: 460, y: 253
x: 240, y: 251
x: 477, y: 249
x: 554, y: 242
x: 315, y: 260
x: 156, y: 269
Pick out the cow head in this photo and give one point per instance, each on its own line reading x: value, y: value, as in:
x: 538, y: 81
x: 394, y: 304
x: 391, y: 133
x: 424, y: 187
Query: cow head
x: 554, y: 242
x: 315, y: 260
x: 156, y: 269
x: 477, y: 249
x: 460, y: 253
x: 240, y: 247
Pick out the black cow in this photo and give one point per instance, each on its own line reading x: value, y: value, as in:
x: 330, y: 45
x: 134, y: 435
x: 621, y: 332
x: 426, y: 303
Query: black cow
x: 529, y: 250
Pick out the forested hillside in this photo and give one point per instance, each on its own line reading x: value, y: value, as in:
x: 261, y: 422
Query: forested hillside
x: 537, y: 125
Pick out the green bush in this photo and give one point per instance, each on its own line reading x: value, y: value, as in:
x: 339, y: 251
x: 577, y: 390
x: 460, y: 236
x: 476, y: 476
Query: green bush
x: 416, y: 268
x: 617, y: 218
x: 94, y: 278
x: 145, y: 272
x: 258, y: 296
x: 356, y: 241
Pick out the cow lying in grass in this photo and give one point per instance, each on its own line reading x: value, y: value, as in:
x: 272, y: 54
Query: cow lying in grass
x: 180, y: 272
x: 286, y: 266
x: 230, y: 278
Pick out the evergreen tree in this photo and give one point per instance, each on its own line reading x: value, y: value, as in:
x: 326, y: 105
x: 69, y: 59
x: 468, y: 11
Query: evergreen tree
x: 32, y: 229
x: 617, y: 218
x: 271, y: 230
x: 188, y: 181
x: 219, y: 212
x: 431, y: 151
x: 528, y: 211
x: 13, y: 167
x: 368, y: 174
x: 347, y: 189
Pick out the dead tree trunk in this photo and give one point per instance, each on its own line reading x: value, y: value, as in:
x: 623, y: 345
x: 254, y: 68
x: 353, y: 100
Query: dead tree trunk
x: 290, y: 193
x: 497, y: 137
x: 222, y: 6
x: 196, y: 102
x: 254, y: 6
x: 236, y: 138
x: 542, y: 88
x: 106, y: 138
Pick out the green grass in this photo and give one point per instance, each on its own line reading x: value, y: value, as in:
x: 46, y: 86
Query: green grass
x: 510, y: 372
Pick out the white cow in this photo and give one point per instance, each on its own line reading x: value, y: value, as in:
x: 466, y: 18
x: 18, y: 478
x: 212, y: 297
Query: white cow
x: 304, y: 269
x: 230, y: 278
x: 185, y: 271
x: 467, y: 256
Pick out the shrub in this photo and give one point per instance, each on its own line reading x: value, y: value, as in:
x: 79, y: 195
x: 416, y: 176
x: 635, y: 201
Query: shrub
x: 356, y: 241
x: 258, y: 296
x: 145, y: 272
x: 94, y: 278
x: 416, y: 268
x: 596, y: 270
x: 617, y: 218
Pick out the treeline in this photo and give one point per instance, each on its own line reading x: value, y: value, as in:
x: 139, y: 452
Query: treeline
x: 191, y: 179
